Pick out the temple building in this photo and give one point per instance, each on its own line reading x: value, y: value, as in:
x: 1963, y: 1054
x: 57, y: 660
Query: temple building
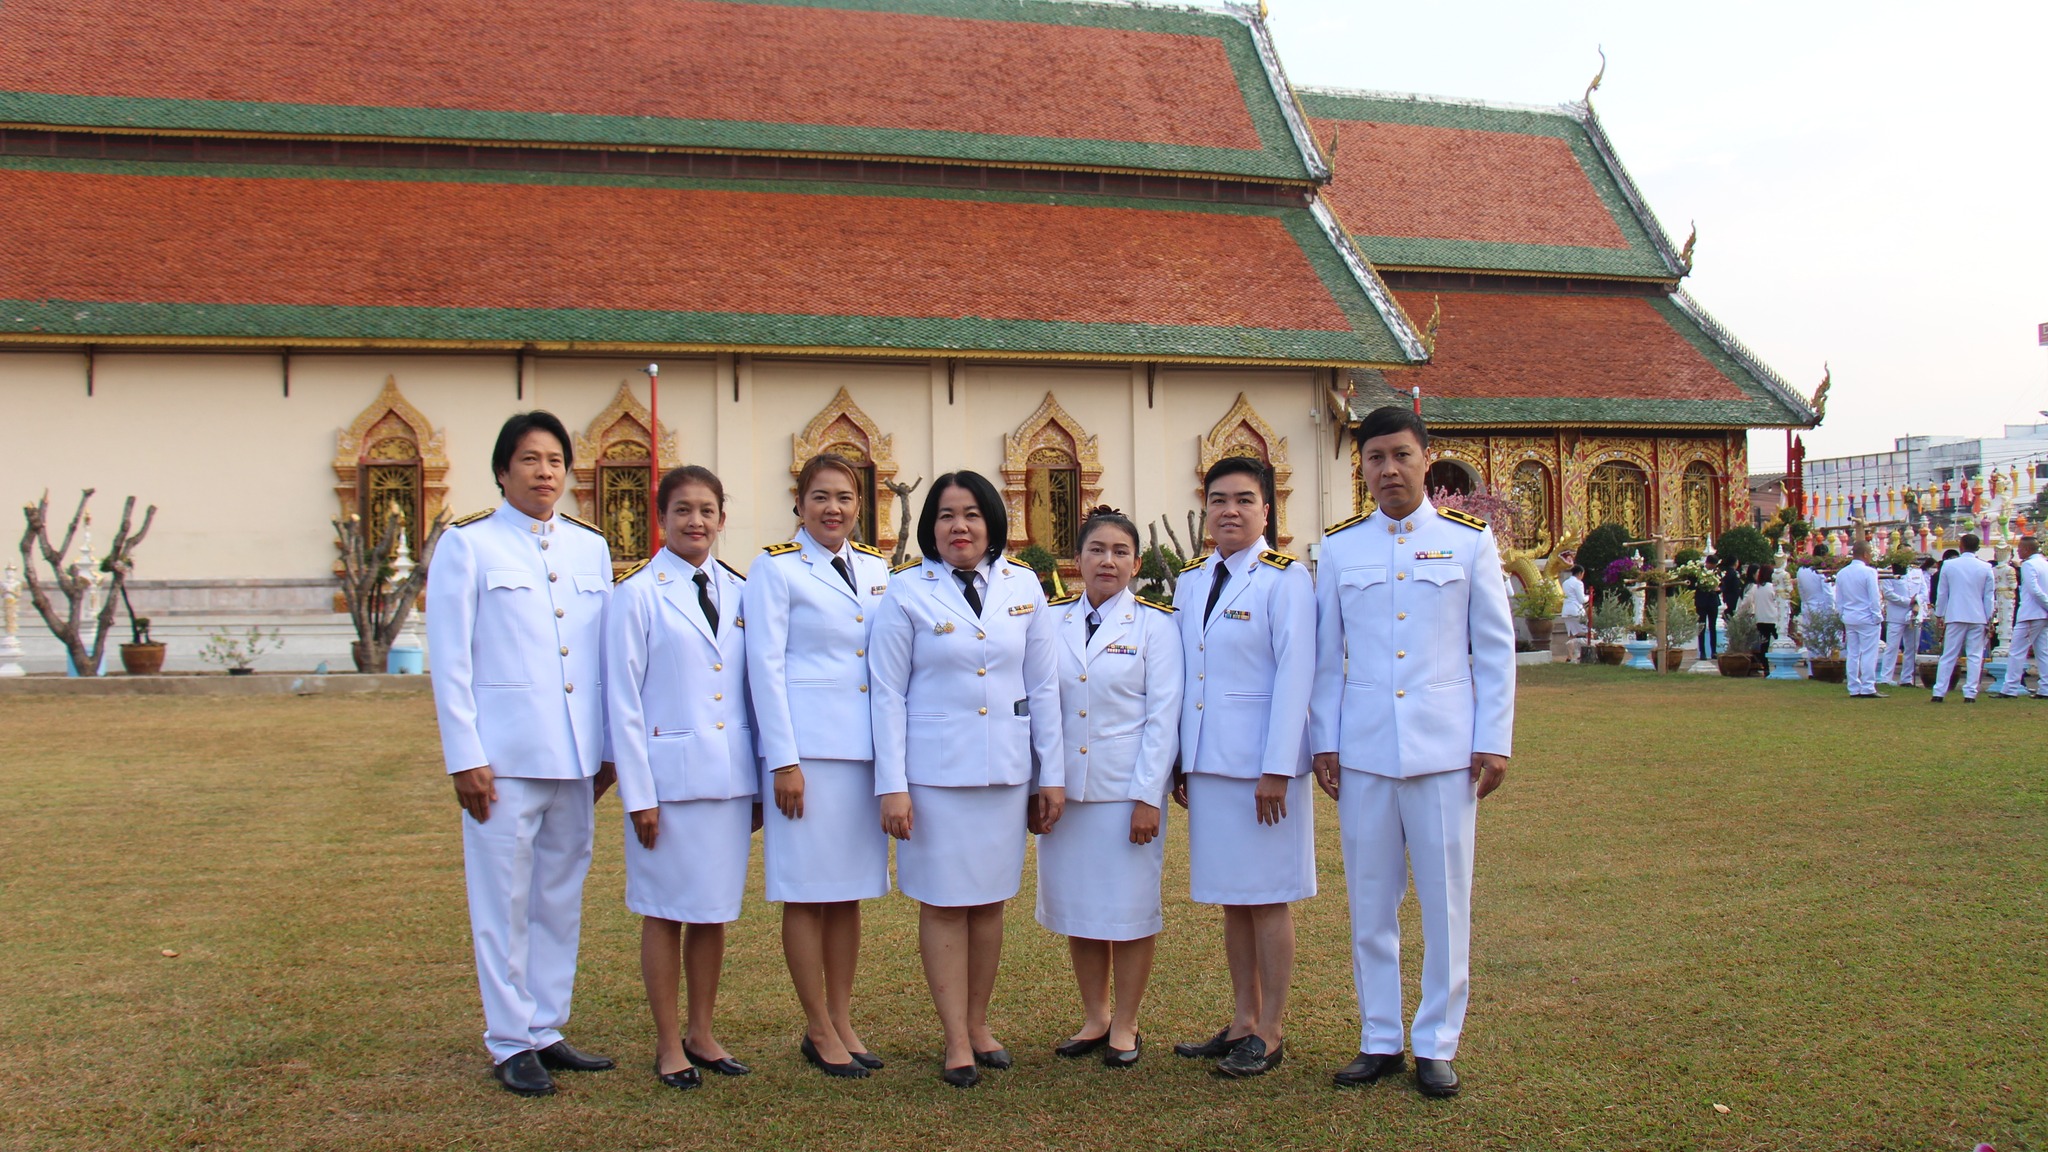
x: 1570, y: 372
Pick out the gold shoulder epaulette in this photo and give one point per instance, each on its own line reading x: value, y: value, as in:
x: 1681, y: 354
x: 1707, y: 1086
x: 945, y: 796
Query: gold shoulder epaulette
x: 1465, y: 518
x: 628, y: 574
x: 1341, y: 525
x: 1020, y: 564
x: 737, y: 574
x: 1069, y: 598
x: 870, y: 549
x: 782, y: 549
x: 1167, y: 608
x: 472, y: 518
x: 1197, y: 562
x: 906, y: 566
x: 581, y: 523
x: 1280, y: 560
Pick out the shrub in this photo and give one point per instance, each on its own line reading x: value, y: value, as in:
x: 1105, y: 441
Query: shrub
x: 1686, y: 556
x: 1747, y: 545
x: 1036, y: 558
x: 1602, y: 546
x: 1681, y: 621
x: 1541, y: 599
x: 1614, y: 620
x: 1821, y: 633
x: 1742, y: 633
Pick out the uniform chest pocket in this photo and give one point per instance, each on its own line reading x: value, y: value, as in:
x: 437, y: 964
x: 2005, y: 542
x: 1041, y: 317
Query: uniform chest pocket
x: 590, y: 582
x: 1440, y: 574
x: 1361, y: 578
x: 507, y: 578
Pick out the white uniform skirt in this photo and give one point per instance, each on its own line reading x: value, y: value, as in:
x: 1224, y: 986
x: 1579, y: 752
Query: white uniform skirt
x: 697, y: 869
x: 966, y: 845
x: 837, y: 851
x: 1234, y: 859
x: 1092, y: 881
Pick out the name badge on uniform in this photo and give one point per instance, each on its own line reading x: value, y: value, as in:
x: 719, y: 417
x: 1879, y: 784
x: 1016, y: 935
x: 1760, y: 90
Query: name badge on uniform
x: 942, y: 627
x: 739, y: 621
x: 1236, y: 614
x: 877, y: 589
x: 1428, y: 554
x: 1023, y: 609
x: 1120, y: 649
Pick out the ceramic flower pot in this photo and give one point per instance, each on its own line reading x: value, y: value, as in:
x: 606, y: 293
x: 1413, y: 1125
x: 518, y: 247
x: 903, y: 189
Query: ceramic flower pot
x: 142, y: 659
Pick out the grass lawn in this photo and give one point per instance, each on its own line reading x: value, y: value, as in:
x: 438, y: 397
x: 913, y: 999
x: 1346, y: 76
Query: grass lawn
x: 1828, y: 917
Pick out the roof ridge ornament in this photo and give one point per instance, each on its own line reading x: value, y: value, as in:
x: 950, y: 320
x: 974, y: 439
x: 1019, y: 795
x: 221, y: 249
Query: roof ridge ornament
x: 1436, y: 318
x: 1587, y: 99
x: 1685, y: 253
x: 1819, y: 403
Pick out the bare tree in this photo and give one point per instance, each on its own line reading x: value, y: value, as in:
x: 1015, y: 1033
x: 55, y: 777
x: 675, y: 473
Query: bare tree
x: 377, y: 609
x: 902, y: 492
x: 77, y: 586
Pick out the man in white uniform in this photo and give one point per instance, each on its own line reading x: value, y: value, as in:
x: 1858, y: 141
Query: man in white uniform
x: 1815, y: 595
x: 1574, y: 612
x: 2030, y: 632
x: 1963, y: 600
x: 515, y: 615
x: 1861, y: 603
x: 1411, y: 723
x: 1901, y: 624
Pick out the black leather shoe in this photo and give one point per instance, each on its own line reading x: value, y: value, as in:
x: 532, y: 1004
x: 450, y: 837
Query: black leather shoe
x: 1114, y: 1057
x: 996, y: 1058
x: 866, y: 1059
x: 1250, y: 1058
x: 561, y: 1057
x: 1367, y: 1069
x: 1073, y: 1048
x: 523, y: 1074
x: 1214, y: 1048
x: 724, y: 1065
x: 1969, y: 699
x: 965, y: 1076
x: 1934, y: 699
x: 1435, y: 1078
x: 851, y: 1070
x: 682, y: 1079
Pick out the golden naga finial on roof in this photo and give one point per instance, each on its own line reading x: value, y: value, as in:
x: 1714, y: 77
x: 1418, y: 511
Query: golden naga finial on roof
x: 1436, y: 317
x: 1262, y: 9
x: 1587, y: 99
x: 1685, y: 253
x: 1819, y: 404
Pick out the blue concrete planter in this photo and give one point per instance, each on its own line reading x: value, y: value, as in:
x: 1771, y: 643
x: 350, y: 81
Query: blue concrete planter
x: 405, y: 662
x: 1784, y: 664
x: 1639, y: 654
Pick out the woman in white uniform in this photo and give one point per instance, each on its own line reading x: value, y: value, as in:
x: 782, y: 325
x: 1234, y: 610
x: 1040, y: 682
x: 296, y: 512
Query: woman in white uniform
x: 810, y: 603
x: 1248, y: 626
x: 1098, y: 871
x: 963, y: 672
x: 676, y: 701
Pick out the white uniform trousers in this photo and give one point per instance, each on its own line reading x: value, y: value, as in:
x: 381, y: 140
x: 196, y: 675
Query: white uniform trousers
x: 1953, y: 638
x: 524, y: 868
x: 1388, y: 826
x: 2029, y: 637
x: 1859, y: 651
x: 1901, y: 638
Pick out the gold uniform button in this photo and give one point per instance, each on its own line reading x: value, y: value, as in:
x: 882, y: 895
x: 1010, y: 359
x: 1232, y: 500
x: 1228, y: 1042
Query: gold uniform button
x: 1400, y: 615
x: 981, y: 635
x: 1400, y: 692
x: 1084, y: 751
x: 565, y: 651
x: 1084, y: 711
x: 1400, y: 575
x: 718, y: 667
x: 718, y: 695
x: 568, y: 687
x: 860, y: 651
x: 1400, y: 539
x: 1201, y: 675
x: 1198, y: 705
x: 981, y: 671
x: 552, y: 577
x: 1201, y: 647
x: 984, y: 711
x: 558, y: 613
x: 721, y: 724
x: 1400, y: 655
x: 543, y: 545
x: 863, y: 687
x: 1084, y: 677
x: 859, y: 619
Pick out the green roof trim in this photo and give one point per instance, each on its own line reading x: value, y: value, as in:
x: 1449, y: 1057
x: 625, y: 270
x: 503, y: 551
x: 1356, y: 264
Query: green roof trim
x: 1649, y: 254
x: 1279, y: 157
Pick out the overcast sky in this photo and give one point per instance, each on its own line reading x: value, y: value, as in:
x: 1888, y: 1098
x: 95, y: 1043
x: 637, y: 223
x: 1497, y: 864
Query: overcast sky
x: 1867, y: 178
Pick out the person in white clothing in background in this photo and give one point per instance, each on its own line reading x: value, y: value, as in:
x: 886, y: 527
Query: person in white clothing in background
x: 1574, y: 612
x: 1860, y: 602
x: 1964, y: 601
x: 2030, y: 629
x: 1901, y: 625
x: 1816, y: 595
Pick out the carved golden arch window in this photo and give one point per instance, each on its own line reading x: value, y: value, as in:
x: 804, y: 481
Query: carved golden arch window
x: 390, y: 456
x: 1243, y: 432
x: 841, y: 428
x: 613, y: 475
x: 1361, y: 493
x: 1051, y: 471
x: 1697, y: 503
x: 1531, y: 492
x: 1618, y: 492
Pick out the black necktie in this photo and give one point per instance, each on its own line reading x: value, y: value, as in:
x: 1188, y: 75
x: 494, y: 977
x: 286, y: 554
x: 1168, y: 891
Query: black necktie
x: 1094, y: 622
x: 1216, y: 590
x: 704, y: 599
x: 845, y: 573
x: 966, y: 577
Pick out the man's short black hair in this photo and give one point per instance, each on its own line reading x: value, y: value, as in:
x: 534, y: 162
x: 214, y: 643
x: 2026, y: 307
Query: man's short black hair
x: 1820, y: 549
x: 1971, y: 543
x: 986, y: 498
x: 516, y: 429
x: 1389, y: 420
x: 1243, y: 466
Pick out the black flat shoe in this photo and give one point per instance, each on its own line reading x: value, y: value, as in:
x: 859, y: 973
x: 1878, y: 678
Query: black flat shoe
x: 724, y: 1065
x: 1114, y: 1057
x: 562, y: 1057
x: 1214, y: 1048
x: 851, y: 1070
x: 866, y: 1059
x: 523, y: 1075
x: 682, y: 1079
x: 1367, y: 1069
x: 1250, y: 1058
x: 1435, y: 1078
x: 1073, y: 1048
x: 965, y: 1076
x: 996, y: 1058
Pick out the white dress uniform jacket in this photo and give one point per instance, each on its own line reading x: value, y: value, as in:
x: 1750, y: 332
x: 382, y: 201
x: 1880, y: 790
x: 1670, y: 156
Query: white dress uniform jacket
x: 1814, y: 591
x: 807, y: 641
x: 1897, y: 592
x: 2033, y: 588
x: 959, y: 700
x: 1574, y: 597
x: 677, y: 692
x: 1857, y: 596
x: 1250, y: 666
x: 2030, y: 629
x: 515, y: 620
x: 1120, y: 698
x: 1966, y: 591
x: 1916, y: 579
x: 1415, y: 666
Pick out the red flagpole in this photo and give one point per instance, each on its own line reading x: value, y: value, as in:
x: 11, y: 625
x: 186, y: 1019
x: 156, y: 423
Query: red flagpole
x: 653, y: 372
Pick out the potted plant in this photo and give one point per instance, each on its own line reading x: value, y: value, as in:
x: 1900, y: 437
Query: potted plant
x: 1539, y: 604
x: 1041, y: 561
x: 1735, y: 659
x: 141, y: 656
x: 1681, y: 628
x: 1614, y: 621
x: 238, y: 653
x: 1823, y: 640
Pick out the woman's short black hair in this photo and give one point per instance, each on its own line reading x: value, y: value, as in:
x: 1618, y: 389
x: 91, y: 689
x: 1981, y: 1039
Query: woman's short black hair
x: 1389, y: 420
x: 1103, y: 516
x: 688, y: 474
x: 516, y: 429
x: 986, y: 498
x: 1248, y: 466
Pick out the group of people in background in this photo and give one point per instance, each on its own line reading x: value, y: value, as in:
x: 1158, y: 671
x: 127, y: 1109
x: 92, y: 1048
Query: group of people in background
x: 954, y: 709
